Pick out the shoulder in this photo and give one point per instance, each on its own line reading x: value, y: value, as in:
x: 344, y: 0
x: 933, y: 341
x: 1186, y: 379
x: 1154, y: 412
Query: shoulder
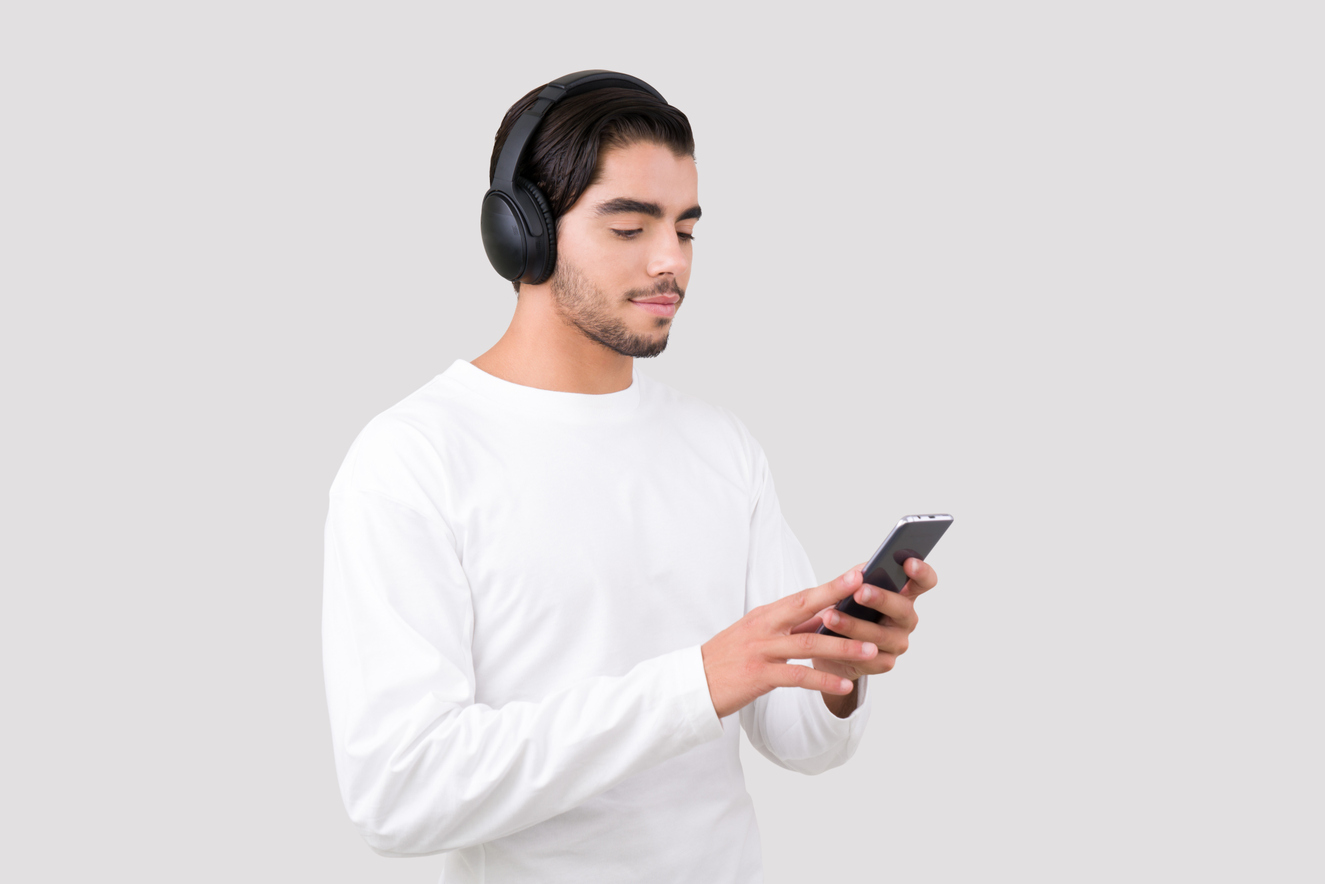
x: 400, y: 452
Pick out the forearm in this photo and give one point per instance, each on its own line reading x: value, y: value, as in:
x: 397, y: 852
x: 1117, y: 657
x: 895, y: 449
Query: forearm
x: 437, y: 778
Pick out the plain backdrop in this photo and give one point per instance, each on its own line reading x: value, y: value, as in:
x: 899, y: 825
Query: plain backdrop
x: 1055, y: 268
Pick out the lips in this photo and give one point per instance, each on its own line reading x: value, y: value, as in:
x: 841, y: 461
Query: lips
x: 658, y: 305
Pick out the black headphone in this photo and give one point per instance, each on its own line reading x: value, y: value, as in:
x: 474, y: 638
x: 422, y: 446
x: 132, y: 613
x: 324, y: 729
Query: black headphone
x: 519, y: 232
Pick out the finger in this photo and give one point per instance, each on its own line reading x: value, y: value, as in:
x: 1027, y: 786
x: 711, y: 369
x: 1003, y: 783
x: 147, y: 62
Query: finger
x: 899, y: 609
x: 799, y: 607
x: 879, y: 665
x: 889, y: 639
x: 811, y: 645
x: 794, y: 675
x: 811, y: 625
x: 923, y: 578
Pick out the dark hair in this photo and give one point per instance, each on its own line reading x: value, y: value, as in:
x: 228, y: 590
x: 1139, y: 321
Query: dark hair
x: 565, y: 158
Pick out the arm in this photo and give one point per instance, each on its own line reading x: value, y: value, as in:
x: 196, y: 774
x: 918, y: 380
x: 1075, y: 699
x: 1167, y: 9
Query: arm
x: 772, y: 542
x: 796, y: 729
x: 423, y: 767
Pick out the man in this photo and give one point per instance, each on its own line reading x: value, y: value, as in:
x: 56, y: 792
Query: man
x: 552, y: 583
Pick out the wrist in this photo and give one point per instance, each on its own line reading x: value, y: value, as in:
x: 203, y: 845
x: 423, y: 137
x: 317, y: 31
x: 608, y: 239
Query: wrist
x: 843, y: 705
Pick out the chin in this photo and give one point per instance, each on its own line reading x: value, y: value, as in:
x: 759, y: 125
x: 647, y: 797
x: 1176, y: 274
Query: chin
x: 645, y: 346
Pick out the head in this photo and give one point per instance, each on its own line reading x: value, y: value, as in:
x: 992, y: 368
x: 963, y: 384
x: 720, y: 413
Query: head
x: 617, y: 167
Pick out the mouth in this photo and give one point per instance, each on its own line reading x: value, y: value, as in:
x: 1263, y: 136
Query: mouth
x: 659, y: 305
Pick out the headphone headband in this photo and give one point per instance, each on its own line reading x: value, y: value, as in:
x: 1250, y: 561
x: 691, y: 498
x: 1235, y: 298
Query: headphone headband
x: 522, y: 133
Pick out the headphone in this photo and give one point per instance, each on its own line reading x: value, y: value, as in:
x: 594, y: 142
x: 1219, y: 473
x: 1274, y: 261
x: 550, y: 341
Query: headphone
x: 519, y: 232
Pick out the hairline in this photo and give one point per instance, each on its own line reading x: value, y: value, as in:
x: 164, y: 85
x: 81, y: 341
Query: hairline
x: 602, y: 161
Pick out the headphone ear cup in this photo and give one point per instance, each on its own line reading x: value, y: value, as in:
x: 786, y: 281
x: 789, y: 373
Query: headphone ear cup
x: 539, y: 271
x: 504, y: 237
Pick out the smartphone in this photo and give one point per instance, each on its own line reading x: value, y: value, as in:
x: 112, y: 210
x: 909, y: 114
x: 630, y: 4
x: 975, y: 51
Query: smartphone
x: 912, y: 538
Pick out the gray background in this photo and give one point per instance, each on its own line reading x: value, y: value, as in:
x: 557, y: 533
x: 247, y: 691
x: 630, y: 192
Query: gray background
x: 1053, y: 268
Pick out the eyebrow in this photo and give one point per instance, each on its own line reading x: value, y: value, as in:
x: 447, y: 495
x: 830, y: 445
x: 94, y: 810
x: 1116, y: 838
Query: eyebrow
x: 627, y: 206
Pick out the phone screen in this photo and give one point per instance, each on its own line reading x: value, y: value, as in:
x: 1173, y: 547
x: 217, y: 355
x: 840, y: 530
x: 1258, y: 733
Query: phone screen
x: 913, y: 537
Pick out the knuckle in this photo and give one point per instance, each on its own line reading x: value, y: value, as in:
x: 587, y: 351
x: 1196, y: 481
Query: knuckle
x: 887, y: 662
x: 902, y: 646
x: 806, y: 642
x: 798, y: 675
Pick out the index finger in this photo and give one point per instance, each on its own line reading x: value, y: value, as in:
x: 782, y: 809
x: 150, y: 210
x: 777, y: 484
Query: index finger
x: 798, y: 607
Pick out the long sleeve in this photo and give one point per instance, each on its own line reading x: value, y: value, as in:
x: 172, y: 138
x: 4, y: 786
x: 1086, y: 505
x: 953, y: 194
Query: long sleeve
x: 423, y: 767
x: 790, y: 726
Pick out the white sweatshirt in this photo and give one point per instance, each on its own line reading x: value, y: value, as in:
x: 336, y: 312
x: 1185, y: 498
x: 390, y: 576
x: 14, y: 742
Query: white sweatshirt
x: 518, y: 583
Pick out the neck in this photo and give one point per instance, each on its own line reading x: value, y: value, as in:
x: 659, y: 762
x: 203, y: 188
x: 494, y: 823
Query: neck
x: 542, y: 350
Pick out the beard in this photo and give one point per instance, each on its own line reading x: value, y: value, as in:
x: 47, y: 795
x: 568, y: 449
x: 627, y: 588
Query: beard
x: 583, y: 305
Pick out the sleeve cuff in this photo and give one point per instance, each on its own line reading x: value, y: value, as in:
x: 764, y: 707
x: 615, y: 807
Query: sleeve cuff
x: 689, y: 685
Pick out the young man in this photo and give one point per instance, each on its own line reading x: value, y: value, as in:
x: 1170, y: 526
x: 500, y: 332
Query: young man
x: 552, y: 583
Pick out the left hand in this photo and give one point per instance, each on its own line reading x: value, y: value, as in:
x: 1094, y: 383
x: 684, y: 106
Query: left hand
x: 891, y: 634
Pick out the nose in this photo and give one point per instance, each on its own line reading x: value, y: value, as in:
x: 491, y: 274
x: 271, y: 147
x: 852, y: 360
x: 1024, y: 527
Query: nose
x: 668, y: 255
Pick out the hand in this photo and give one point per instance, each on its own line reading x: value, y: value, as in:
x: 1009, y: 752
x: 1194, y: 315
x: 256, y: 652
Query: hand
x: 891, y: 635
x: 749, y: 658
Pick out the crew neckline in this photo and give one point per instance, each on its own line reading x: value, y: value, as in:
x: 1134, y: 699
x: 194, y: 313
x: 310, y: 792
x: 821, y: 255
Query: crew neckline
x: 549, y: 403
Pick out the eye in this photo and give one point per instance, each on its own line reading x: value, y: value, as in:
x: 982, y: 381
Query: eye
x: 626, y: 234
x: 685, y: 237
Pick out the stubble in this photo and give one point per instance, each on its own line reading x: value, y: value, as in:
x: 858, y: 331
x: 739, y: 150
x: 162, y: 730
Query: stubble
x: 580, y: 304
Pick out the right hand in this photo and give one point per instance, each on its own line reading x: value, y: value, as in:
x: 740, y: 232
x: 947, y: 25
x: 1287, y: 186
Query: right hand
x: 749, y: 658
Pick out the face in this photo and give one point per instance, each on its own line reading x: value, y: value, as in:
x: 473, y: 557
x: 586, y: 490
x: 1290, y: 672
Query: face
x: 624, y: 250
